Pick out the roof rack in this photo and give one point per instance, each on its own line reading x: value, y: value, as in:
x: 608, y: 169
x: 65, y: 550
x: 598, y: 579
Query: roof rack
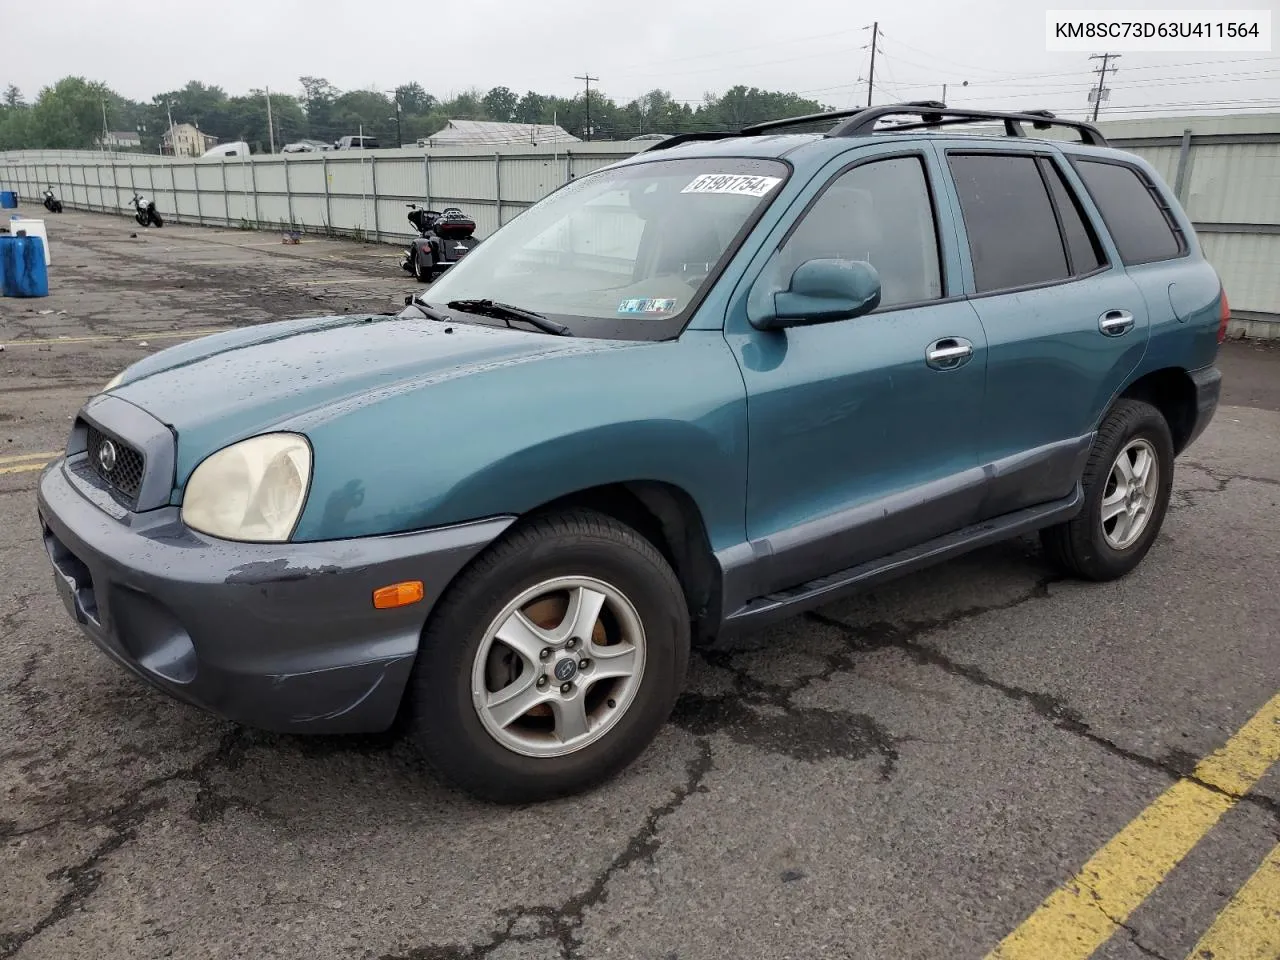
x: 931, y: 113
x: 937, y: 114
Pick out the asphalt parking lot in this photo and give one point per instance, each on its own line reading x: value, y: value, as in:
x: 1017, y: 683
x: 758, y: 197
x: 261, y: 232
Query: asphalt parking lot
x: 977, y: 755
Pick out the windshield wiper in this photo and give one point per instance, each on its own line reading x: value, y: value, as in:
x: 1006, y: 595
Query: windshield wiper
x: 424, y: 308
x: 505, y: 311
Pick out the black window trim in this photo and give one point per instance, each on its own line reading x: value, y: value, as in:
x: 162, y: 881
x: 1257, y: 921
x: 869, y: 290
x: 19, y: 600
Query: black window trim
x: 1162, y: 204
x: 1034, y: 154
x: 1047, y: 168
x: 917, y: 153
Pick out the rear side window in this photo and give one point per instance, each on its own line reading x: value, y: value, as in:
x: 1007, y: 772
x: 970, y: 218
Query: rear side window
x: 1013, y: 233
x: 1135, y: 217
x: 1083, y: 249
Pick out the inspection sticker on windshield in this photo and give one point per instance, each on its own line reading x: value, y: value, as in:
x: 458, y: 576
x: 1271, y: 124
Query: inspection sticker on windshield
x: 648, y: 305
x: 738, y: 183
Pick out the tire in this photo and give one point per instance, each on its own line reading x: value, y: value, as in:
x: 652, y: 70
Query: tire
x: 155, y: 218
x: 528, y: 760
x: 1091, y: 548
x: 420, y: 273
x: 142, y: 221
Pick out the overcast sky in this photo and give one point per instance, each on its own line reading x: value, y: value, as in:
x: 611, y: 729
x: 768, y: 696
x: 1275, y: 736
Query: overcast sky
x: 819, y: 47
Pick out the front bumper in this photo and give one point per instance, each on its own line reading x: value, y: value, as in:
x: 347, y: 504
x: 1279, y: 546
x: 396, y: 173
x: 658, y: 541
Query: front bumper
x: 282, y: 637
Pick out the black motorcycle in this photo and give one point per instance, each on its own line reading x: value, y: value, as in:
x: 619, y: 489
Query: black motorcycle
x: 51, y: 203
x: 444, y: 238
x: 146, y: 211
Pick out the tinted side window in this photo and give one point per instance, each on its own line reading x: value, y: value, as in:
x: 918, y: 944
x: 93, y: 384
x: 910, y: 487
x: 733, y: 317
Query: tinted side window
x: 880, y: 212
x: 1013, y: 234
x: 1083, y: 248
x: 1134, y: 218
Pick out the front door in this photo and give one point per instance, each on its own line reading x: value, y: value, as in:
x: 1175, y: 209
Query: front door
x: 863, y: 432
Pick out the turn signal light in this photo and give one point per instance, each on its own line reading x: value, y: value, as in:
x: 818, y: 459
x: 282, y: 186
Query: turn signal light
x: 398, y: 594
x: 1224, y: 318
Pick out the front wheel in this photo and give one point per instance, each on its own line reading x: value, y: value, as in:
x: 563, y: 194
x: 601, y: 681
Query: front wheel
x: 142, y: 219
x: 420, y: 273
x: 1127, y: 483
x: 553, y: 662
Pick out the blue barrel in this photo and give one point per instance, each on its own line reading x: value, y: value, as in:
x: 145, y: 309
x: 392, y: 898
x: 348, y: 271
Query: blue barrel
x: 9, y: 199
x: 22, y: 269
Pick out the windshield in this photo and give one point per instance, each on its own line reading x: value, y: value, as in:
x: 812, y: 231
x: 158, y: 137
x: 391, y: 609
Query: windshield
x: 633, y: 246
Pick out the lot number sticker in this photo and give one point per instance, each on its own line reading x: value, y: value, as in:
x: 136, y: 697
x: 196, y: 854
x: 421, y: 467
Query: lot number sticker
x: 648, y: 305
x: 736, y: 183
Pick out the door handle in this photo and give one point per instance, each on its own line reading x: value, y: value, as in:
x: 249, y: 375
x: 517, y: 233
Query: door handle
x: 948, y: 353
x: 1115, y: 322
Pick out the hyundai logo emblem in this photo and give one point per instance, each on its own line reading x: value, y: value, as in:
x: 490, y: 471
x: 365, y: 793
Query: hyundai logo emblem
x: 107, y: 456
x: 566, y: 669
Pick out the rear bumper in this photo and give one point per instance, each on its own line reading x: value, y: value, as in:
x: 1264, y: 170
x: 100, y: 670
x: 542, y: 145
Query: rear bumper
x: 1208, y: 384
x: 282, y: 637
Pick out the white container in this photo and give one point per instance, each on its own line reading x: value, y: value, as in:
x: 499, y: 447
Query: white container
x: 20, y: 226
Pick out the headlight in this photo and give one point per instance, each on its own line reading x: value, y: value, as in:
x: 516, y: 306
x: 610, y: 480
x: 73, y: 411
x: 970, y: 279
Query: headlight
x: 115, y: 382
x: 250, y: 491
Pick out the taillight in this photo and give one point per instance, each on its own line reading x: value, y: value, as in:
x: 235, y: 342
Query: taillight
x: 1224, y: 318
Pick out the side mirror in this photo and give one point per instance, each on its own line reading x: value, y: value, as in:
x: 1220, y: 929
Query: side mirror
x: 820, y: 291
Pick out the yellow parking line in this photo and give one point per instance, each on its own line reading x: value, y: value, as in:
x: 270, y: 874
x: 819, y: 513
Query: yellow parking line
x: 1249, y: 927
x: 25, y: 468
x: 162, y: 335
x: 1080, y: 916
x: 46, y: 455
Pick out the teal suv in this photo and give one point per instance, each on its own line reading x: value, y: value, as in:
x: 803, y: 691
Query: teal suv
x: 701, y: 389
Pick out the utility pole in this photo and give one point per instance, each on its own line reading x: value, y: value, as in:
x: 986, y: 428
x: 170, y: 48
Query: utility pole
x: 587, y: 78
x: 271, y: 130
x: 105, y: 133
x: 871, y: 75
x: 1102, y: 76
x: 395, y: 95
x: 173, y: 140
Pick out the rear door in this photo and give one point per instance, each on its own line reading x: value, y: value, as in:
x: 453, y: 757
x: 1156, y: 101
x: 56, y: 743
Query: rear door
x: 1065, y: 324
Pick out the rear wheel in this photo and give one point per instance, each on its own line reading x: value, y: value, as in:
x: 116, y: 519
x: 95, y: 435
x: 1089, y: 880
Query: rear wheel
x: 1127, y: 483
x: 553, y: 662
x: 155, y: 218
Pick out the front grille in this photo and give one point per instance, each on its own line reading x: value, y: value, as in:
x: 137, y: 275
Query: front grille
x: 115, y: 463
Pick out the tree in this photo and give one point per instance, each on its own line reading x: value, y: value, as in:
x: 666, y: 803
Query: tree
x: 533, y: 108
x: 13, y: 97
x: 500, y: 104
x: 68, y: 115
x: 368, y: 110
x: 414, y: 101
x: 741, y: 105
x: 318, y: 97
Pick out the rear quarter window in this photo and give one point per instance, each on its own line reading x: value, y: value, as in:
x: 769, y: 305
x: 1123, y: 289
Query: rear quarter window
x: 1133, y: 211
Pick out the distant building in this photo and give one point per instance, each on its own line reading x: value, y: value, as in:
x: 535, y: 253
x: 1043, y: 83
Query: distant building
x: 120, y: 140
x: 464, y: 133
x: 186, y: 140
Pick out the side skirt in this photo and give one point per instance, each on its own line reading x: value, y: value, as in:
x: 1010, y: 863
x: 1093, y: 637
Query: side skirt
x: 765, y: 610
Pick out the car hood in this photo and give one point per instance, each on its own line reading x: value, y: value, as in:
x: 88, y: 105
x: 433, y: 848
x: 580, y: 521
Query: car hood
x: 221, y: 388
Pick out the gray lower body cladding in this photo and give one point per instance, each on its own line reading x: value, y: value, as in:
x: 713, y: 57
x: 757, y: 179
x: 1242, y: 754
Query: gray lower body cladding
x: 282, y: 637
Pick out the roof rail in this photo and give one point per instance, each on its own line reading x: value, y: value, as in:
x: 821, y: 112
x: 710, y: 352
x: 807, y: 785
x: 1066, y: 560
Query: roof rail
x: 862, y: 122
x: 938, y: 114
x: 680, y: 138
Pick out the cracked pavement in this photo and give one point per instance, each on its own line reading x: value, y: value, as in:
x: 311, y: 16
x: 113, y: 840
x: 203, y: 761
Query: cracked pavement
x: 901, y: 775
